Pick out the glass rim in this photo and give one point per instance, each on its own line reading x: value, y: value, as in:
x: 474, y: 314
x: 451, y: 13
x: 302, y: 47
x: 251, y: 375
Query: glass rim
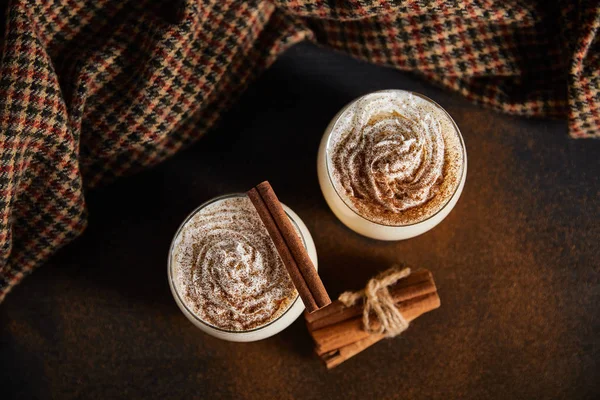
x: 327, y: 146
x: 174, y: 286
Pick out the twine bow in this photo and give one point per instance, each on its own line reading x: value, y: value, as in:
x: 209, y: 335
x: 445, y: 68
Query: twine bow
x: 377, y: 299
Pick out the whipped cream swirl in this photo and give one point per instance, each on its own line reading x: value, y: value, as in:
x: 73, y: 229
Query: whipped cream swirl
x: 227, y: 269
x: 387, y: 152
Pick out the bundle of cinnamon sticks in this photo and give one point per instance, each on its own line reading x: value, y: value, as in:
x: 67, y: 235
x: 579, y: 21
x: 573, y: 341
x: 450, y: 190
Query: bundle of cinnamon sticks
x: 338, y: 331
x: 290, y: 247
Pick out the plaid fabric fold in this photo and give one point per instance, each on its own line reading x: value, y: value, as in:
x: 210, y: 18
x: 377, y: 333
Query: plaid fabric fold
x: 93, y: 90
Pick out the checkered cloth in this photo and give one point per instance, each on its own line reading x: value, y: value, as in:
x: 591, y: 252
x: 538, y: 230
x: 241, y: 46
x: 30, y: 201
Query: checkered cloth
x: 92, y: 90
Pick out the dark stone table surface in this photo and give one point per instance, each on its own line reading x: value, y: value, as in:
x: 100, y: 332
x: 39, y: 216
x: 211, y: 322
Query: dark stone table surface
x: 516, y: 263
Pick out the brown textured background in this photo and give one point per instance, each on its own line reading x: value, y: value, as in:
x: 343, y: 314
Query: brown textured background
x: 516, y: 264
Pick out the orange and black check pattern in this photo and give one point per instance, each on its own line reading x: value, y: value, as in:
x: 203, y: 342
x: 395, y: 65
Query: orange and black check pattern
x: 92, y: 90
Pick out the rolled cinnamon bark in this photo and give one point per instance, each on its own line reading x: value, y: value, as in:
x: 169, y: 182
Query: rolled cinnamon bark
x: 416, y: 284
x: 294, y: 244
x: 282, y: 249
x: 338, y: 356
x: 344, y: 333
x: 290, y: 247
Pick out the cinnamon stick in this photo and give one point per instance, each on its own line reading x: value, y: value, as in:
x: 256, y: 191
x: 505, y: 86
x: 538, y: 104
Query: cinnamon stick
x: 283, y: 250
x: 341, y: 334
x: 290, y: 247
x: 336, y: 357
x: 294, y: 244
x: 416, y: 284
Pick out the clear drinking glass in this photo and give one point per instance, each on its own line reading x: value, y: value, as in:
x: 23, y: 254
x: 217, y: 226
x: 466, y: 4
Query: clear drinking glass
x: 273, y: 327
x: 359, y: 223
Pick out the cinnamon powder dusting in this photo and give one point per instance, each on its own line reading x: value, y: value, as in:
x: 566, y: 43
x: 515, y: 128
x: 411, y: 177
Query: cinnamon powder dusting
x: 394, y: 157
x: 227, y: 269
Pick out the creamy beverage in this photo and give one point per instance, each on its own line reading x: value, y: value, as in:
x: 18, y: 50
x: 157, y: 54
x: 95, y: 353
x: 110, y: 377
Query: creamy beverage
x: 227, y: 269
x: 390, y: 162
x: 226, y: 274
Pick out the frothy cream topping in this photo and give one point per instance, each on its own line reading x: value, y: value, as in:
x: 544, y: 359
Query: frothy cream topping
x: 388, y: 154
x: 227, y: 269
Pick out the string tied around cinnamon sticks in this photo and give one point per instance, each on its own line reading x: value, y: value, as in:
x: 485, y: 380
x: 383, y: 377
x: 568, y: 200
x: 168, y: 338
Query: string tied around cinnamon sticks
x: 338, y: 330
x: 378, y: 300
